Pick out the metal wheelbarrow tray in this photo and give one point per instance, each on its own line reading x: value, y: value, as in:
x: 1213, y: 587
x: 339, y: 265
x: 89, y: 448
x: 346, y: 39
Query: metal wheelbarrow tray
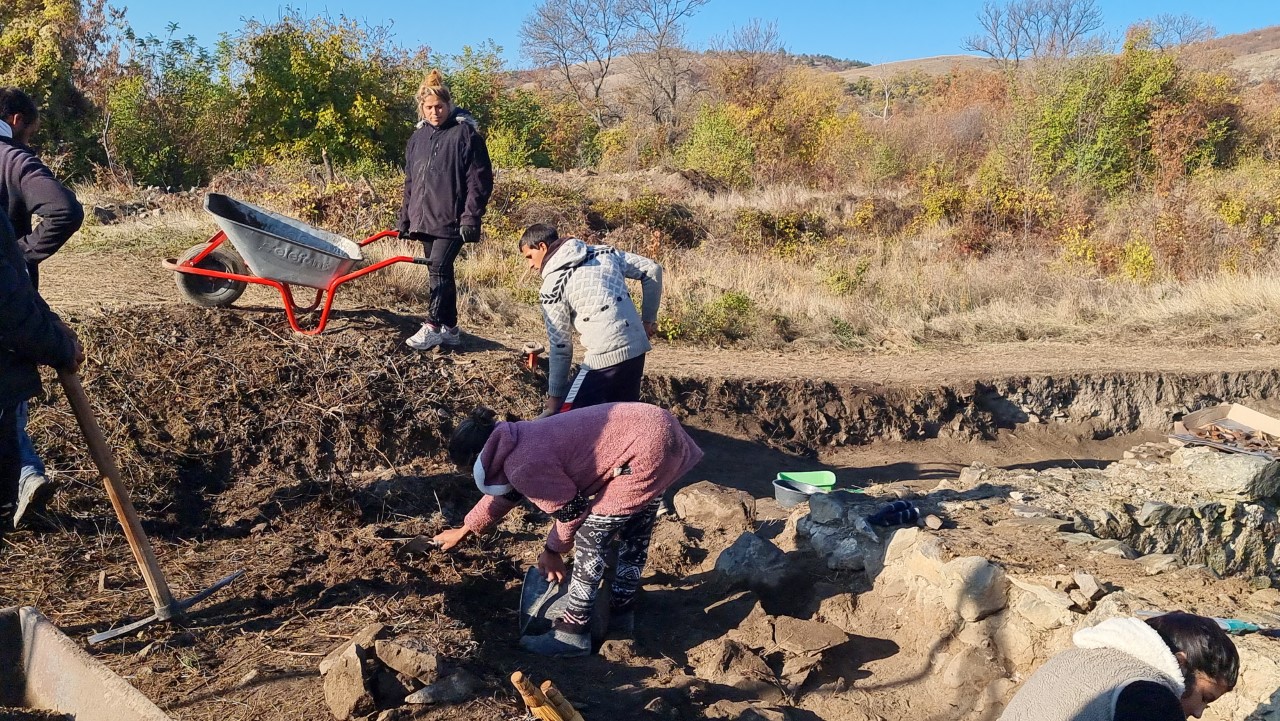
x: 280, y: 252
x: 40, y: 668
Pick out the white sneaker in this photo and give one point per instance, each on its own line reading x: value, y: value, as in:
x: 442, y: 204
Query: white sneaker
x: 427, y: 337
x: 34, y: 491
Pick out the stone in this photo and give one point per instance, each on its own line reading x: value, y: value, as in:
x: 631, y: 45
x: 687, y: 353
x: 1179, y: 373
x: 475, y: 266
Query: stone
x: 346, y: 687
x: 753, y: 562
x: 744, y: 711
x: 1044, y: 607
x: 1267, y: 599
x: 1083, y: 602
x: 729, y: 663
x: 1047, y: 524
x: 1115, y: 548
x: 1088, y: 585
x: 828, y: 509
x: 618, y: 650
x: 712, y: 507
x: 1154, y: 513
x: 663, y: 709
x: 972, y: 476
x: 919, y: 555
x: 797, y: 636
x: 1078, y: 539
x: 797, y: 669
x: 838, y: 609
x: 754, y: 631
x: 1260, y: 582
x: 392, y: 714
x: 411, y: 659
x: 932, y: 522
x: 1230, y: 476
x: 1157, y: 563
x: 454, y: 688
x: 365, y: 638
x: 973, y: 587
x: 847, y: 556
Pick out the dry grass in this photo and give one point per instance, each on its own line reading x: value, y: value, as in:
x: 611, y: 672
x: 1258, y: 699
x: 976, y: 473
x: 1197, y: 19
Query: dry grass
x: 859, y: 288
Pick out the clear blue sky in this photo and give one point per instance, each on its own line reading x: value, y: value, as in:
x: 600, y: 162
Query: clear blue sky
x: 870, y: 30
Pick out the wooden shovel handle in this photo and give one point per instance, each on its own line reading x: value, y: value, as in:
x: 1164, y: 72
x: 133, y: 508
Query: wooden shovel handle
x: 561, y: 704
x: 103, y: 459
x: 539, y: 706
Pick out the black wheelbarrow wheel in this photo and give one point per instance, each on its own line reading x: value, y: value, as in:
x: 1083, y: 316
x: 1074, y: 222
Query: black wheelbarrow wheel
x: 208, y: 292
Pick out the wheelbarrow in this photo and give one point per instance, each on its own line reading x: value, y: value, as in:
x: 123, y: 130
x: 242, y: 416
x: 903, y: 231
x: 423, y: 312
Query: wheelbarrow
x: 280, y: 253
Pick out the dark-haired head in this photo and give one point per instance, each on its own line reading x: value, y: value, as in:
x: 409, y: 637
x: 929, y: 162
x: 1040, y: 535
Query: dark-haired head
x: 20, y: 112
x: 1209, y: 660
x: 469, y: 437
x: 539, y: 241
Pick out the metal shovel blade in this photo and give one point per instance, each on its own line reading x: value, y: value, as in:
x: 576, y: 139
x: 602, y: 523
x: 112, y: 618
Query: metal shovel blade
x: 178, y: 609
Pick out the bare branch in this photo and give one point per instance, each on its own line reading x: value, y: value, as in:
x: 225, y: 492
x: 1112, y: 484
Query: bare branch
x: 1020, y: 29
x: 578, y: 40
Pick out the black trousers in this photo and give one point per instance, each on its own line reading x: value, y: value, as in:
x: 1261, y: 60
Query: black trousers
x: 618, y: 383
x: 10, y: 465
x: 442, y: 252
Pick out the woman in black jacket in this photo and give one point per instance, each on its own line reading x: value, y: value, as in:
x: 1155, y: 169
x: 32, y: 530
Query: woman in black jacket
x: 447, y: 184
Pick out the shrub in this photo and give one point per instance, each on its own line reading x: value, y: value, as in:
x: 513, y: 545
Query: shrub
x: 719, y: 146
x: 1137, y: 261
x: 785, y: 234
x: 674, y: 223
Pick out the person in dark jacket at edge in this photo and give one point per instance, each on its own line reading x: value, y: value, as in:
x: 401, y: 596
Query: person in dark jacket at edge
x: 447, y: 183
x: 31, y: 335
x: 27, y: 189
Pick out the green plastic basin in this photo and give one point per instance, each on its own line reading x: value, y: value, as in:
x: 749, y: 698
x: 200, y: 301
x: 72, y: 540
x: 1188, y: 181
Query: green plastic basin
x: 821, y: 479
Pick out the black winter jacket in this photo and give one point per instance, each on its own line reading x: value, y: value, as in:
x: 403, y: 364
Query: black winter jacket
x: 29, y: 333
x: 28, y: 188
x: 447, y: 179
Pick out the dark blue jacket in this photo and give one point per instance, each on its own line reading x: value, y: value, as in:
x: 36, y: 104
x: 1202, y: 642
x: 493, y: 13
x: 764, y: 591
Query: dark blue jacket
x: 28, y: 188
x: 447, y: 179
x: 29, y: 333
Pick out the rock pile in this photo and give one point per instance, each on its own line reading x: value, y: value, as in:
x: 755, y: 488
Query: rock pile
x: 371, y: 673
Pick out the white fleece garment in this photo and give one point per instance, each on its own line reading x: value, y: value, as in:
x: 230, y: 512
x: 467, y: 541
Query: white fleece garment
x: 1136, y: 638
x: 477, y: 472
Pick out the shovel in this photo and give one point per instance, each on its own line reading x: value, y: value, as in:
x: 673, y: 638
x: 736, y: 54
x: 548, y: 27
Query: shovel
x: 166, y: 607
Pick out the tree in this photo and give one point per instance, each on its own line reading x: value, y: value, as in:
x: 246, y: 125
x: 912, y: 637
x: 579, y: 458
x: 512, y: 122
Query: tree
x: 748, y: 61
x: 1022, y: 29
x: 579, y: 40
x: 1168, y: 31
x: 659, y: 53
x: 44, y: 45
x: 317, y: 85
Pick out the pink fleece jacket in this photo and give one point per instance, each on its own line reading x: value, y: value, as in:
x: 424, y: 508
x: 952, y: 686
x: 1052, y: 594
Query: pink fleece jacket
x: 588, y: 450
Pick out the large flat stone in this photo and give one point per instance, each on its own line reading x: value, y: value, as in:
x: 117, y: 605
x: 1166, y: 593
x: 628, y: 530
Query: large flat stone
x: 1231, y: 476
x: 973, y: 587
x: 712, y: 507
x: 365, y: 638
x: 798, y: 636
x: 346, y: 686
x: 1047, y: 524
x: 417, y: 660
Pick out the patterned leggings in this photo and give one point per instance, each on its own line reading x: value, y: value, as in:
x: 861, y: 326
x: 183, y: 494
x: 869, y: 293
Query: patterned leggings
x: 591, y: 546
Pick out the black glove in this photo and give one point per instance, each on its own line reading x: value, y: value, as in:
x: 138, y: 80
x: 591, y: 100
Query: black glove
x: 470, y: 233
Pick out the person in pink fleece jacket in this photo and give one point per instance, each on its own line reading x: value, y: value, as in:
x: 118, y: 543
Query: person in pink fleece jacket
x: 600, y: 473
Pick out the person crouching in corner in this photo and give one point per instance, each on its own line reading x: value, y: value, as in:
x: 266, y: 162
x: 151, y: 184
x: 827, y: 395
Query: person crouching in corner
x: 585, y: 287
x: 1166, y: 668
x: 600, y: 473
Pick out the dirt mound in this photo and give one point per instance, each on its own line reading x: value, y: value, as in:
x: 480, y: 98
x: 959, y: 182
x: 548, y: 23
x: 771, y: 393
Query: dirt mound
x: 200, y: 404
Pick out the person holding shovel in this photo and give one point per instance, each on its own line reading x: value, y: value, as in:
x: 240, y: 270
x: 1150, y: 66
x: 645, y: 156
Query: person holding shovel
x: 31, y: 335
x: 585, y: 287
x: 600, y: 472
x: 28, y: 189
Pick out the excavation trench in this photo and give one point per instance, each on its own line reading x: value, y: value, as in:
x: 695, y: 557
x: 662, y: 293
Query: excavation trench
x: 311, y: 460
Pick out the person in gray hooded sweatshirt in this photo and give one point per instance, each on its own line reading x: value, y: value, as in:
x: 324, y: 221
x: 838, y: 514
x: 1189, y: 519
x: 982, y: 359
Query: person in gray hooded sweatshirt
x: 585, y: 287
x: 1166, y: 668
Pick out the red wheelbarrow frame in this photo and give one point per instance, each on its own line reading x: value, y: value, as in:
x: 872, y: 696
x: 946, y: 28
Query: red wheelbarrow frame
x: 291, y: 308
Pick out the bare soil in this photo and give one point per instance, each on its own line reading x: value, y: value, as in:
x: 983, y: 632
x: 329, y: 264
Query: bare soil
x: 310, y: 462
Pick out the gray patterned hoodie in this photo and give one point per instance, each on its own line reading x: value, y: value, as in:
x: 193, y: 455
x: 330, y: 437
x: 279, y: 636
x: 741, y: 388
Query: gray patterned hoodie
x: 585, y: 287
